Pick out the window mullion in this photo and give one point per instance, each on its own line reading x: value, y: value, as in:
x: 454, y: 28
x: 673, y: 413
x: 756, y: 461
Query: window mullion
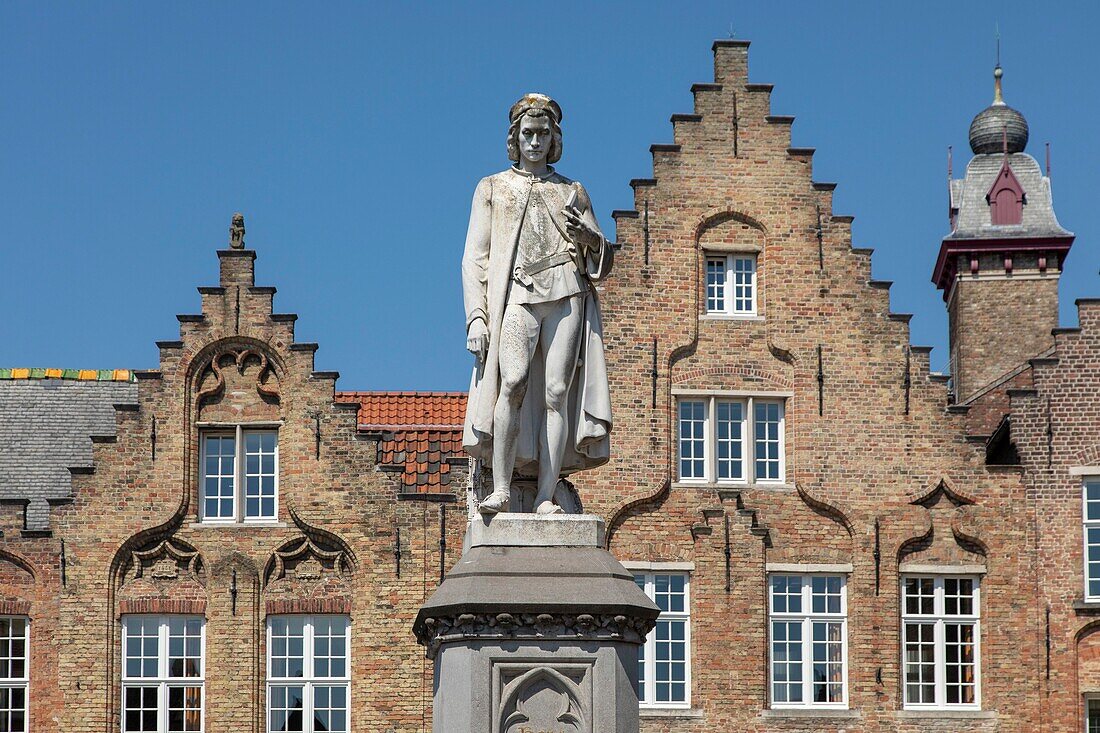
x: 710, y: 445
x: 238, y: 474
x: 730, y: 289
x: 750, y: 441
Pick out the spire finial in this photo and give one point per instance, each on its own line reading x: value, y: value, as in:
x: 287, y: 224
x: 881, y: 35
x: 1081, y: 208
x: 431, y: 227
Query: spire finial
x: 998, y: 98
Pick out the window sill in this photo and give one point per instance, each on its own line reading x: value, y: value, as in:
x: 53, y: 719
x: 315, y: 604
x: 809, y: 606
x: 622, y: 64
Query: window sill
x: 941, y: 714
x: 644, y: 712
x: 811, y: 712
x: 730, y: 317
x: 711, y: 486
x: 1084, y: 607
x: 237, y: 525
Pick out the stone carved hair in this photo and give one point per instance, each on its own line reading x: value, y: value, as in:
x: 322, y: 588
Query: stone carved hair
x: 535, y: 105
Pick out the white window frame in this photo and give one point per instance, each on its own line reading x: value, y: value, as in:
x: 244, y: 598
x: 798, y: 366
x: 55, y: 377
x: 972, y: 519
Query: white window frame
x: 238, y: 434
x: 163, y: 681
x: 646, y: 700
x: 20, y: 683
x: 939, y: 618
x: 729, y: 287
x: 1093, y: 699
x: 1088, y: 524
x: 748, y: 439
x: 308, y: 681
x: 807, y: 618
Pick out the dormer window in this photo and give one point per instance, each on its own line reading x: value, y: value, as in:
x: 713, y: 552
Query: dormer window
x: 239, y: 476
x: 1006, y: 199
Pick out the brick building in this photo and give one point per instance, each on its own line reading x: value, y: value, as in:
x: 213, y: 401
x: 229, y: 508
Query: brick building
x: 839, y: 538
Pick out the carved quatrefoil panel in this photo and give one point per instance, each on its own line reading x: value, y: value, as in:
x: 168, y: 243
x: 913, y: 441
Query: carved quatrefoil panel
x: 239, y: 384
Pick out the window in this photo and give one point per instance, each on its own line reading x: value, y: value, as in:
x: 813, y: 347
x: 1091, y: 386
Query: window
x: 731, y: 284
x: 809, y: 656
x: 731, y: 440
x: 240, y: 478
x: 308, y: 673
x: 163, y: 672
x: 664, y: 670
x: 1091, y: 514
x: 1092, y: 714
x: 14, y: 672
x: 940, y: 638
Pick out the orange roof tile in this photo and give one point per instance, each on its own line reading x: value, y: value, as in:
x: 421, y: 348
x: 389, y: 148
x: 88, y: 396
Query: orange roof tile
x: 421, y: 433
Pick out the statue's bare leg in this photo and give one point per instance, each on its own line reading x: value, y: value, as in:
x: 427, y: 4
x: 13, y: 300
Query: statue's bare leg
x: 561, y: 337
x: 519, y: 334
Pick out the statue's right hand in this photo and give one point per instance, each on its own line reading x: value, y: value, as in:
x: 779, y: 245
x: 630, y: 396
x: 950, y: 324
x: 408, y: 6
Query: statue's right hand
x: 477, y: 339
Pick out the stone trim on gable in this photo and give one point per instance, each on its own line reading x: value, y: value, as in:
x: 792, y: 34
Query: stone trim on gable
x: 308, y: 605
x: 162, y: 605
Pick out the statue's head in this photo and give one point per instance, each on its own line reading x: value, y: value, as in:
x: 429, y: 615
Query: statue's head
x: 535, y: 129
x: 238, y: 219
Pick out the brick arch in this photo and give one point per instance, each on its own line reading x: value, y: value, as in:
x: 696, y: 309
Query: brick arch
x: 1087, y: 457
x: 713, y: 219
x: 14, y: 558
x: 772, y: 378
x: 202, y: 358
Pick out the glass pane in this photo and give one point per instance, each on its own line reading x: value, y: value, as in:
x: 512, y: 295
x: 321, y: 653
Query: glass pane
x: 287, y: 650
x: 285, y: 708
x: 786, y: 593
x: 329, y: 647
x: 670, y: 661
x: 330, y: 711
x: 716, y: 284
x: 920, y: 663
x: 766, y: 417
x: 744, y: 282
x: 184, y: 709
x: 217, y: 480
x: 692, y: 439
x: 730, y: 452
x: 184, y: 647
x: 141, y: 640
x: 919, y: 596
x: 825, y: 593
x: 259, y: 475
x: 140, y: 705
x: 786, y: 654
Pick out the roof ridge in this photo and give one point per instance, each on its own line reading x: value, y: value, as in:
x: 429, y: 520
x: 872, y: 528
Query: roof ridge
x: 83, y: 375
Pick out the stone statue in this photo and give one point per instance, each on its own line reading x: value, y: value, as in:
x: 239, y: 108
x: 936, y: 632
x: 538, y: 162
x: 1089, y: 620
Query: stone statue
x: 236, y: 231
x: 538, y: 405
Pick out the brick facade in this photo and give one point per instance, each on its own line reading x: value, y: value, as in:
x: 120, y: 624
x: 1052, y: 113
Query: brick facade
x: 881, y: 474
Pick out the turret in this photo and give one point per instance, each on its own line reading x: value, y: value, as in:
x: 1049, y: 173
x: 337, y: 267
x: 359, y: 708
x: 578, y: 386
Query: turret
x: 999, y: 267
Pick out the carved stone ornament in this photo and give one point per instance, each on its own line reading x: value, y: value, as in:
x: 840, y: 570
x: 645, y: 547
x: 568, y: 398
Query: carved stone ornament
x: 543, y: 698
x: 236, y: 231
x: 304, y: 560
x: 163, y: 561
x: 213, y: 381
x: 528, y: 626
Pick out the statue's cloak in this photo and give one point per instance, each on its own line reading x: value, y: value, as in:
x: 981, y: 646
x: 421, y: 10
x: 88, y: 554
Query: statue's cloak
x: 500, y: 202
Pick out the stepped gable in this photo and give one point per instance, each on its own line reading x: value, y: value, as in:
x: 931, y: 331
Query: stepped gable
x: 49, y: 419
x: 420, y: 434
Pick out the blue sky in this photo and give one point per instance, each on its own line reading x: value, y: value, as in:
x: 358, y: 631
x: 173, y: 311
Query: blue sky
x: 352, y: 135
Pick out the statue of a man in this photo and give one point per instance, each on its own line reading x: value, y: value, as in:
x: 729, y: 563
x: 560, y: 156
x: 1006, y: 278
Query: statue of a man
x: 539, y: 403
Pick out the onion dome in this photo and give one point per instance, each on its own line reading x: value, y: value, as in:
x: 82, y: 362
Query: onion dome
x: 998, y: 128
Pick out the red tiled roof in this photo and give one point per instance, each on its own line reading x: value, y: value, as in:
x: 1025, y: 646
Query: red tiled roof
x: 383, y: 410
x: 421, y: 432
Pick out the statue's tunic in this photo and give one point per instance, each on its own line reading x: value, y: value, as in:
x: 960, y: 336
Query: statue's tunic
x: 515, y: 220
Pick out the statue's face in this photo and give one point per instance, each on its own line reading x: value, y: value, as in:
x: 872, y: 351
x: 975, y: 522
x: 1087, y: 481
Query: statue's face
x: 535, y: 138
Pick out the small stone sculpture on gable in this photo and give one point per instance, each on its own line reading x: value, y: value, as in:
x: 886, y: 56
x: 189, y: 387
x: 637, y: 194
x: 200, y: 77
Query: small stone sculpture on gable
x: 236, y: 231
x: 539, y: 407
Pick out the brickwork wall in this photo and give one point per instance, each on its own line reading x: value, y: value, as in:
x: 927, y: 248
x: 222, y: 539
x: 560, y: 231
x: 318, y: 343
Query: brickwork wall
x: 1056, y: 426
x: 858, y: 460
x: 330, y: 495
x: 1000, y: 321
x: 879, y: 472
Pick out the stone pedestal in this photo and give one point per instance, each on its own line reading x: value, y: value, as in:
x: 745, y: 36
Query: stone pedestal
x: 536, y: 630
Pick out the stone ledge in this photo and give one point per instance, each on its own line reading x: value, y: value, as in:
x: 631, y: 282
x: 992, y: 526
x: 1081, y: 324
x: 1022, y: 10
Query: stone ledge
x: 809, y: 712
x: 946, y: 714
x: 512, y: 529
x: 693, y: 713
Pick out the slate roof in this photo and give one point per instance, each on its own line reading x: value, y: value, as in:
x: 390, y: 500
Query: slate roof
x: 421, y: 433
x: 46, y: 424
x: 974, y: 214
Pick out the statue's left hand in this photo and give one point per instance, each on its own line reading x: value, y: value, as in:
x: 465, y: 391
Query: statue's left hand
x: 582, y: 233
